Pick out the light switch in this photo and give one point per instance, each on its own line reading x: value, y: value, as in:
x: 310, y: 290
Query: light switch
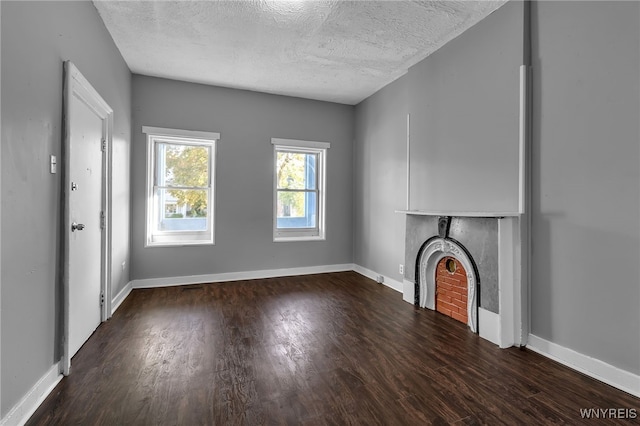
x: 54, y: 164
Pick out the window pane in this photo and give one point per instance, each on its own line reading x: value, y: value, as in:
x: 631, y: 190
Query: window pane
x: 183, y: 165
x: 296, y: 209
x: 296, y: 170
x: 182, y: 210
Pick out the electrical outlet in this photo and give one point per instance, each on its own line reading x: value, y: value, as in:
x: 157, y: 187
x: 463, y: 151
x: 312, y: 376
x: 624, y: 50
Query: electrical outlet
x: 401, y: 269
x: 53, y: 163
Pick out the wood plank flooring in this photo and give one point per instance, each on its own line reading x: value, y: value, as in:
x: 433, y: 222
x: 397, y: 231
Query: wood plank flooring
x: 326, y: 349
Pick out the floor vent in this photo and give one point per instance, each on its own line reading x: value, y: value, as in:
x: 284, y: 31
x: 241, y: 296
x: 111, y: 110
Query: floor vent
x: 192, y: 287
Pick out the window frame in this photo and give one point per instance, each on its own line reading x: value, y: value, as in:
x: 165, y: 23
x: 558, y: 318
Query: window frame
x: 317, y: 233
x: 153, y: 237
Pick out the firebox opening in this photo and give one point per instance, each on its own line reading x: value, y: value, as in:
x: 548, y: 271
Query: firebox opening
x: 431, y: 265
x: 451, y: 289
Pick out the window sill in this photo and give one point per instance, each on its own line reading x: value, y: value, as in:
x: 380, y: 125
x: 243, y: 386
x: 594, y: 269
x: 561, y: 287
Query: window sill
x: 179, y: 244
x: 302, y: 238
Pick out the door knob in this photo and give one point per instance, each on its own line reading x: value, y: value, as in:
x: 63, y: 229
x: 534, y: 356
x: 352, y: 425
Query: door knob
x: 77, y: 226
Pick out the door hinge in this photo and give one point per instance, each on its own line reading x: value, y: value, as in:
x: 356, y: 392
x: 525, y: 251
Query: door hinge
x: 101, y: 299
x: 102, y: 220
x: 104, y: 145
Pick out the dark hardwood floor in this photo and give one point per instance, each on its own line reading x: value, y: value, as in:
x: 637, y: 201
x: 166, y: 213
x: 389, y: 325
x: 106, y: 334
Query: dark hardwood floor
x: 327, y: 349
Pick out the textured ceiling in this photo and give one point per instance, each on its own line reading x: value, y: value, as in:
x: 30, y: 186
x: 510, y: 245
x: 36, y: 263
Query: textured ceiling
x: 338, y: 51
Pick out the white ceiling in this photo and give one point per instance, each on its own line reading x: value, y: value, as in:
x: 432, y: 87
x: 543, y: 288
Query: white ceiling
x: 338, y: 51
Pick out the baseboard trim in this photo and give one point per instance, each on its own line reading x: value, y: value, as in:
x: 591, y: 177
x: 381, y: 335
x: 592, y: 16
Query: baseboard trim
x: 29, y: 403
x: 489, y: 326
x: 408, y: 291
x: 585, y: 364
x: 388, y: 281
x: 238, y: 276
x: 117, y: 301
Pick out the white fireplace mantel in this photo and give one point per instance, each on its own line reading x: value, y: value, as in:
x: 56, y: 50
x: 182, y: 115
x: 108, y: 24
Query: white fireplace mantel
x: 454, y: 213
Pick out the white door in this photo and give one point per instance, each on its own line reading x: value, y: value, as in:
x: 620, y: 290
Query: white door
x: 87, y: 129
x: 85, y: 206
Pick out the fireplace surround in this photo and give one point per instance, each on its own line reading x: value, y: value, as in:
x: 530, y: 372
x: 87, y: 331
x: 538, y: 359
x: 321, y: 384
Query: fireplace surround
x: 489, y: 250
x: 430, y: 254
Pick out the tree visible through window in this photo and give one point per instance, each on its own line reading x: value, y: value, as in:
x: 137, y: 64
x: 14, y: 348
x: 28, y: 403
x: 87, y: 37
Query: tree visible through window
x: 297, y: 189
x: 186, y: 177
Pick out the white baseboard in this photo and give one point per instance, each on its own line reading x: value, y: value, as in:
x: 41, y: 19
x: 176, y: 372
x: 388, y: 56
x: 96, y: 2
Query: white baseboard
x: 30, y: 402
x: 408, y: 291
x: 489, y: 326
x: 238, y: 276
x: 117, y: 301
x: 388, y: 281
x: 592, y: 367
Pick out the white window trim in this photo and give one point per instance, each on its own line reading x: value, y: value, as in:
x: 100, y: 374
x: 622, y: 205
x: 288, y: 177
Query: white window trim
x: 180, y: 133
x: 187, y: 137
x: 296, y: 143
x: 320, y: 148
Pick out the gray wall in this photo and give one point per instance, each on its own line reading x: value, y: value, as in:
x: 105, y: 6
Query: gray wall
x: 380, y: 180
x: 36, y: 38
x: 464, y: 107
x: 585, y: 286
x: 244, y: 187
x: 586, y: 179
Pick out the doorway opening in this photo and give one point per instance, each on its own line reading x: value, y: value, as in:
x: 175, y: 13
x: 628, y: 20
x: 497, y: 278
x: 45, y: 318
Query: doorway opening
x: 88, y: 124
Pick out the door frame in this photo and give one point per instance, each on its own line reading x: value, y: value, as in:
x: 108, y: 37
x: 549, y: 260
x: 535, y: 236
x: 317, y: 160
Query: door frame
x: 78, y: 87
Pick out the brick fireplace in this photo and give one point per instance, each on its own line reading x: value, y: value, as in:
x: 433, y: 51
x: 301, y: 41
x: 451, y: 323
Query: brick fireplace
x: 447, y: 278
x: 466, y: 268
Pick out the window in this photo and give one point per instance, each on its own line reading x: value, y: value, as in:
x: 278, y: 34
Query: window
x: 299, y: 195
x: 180, y: 187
